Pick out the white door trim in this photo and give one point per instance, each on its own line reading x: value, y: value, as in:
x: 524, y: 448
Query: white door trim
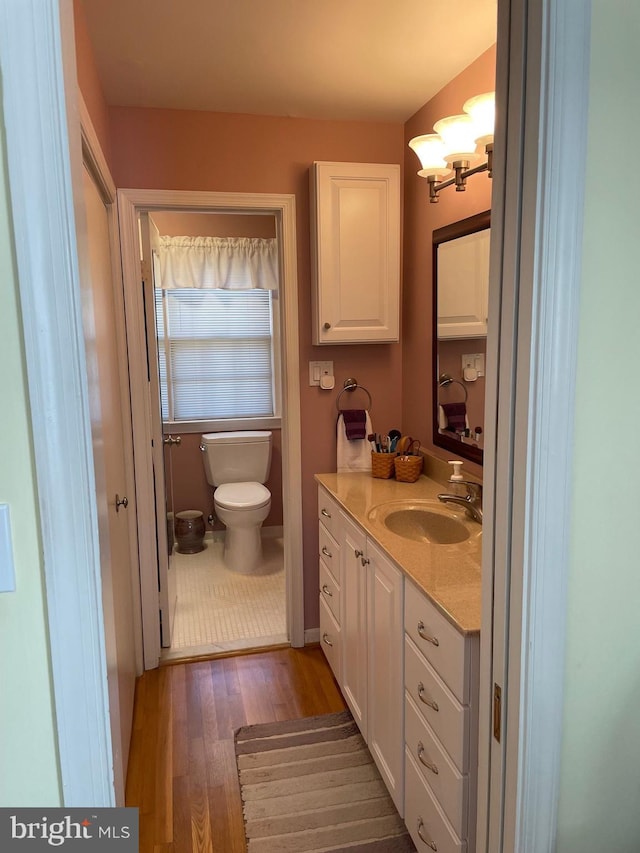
x: 44, y: 163
x: 130, y: 202
x: 537, y: 209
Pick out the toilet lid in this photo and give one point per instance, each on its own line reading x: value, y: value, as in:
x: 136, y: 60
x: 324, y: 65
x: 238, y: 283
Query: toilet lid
x: 242, y: 495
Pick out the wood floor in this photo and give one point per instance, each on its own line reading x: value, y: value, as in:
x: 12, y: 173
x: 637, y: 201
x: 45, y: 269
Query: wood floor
x: 182, y: 772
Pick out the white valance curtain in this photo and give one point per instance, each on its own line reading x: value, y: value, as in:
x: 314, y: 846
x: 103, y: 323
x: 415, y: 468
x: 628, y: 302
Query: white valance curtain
x: 225, y: 263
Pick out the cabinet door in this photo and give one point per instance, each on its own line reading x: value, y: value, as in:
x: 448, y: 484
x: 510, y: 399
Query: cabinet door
x: 355, y: 211
x: 354, y: 621
x: 385, y: 699
x: 463, y: 286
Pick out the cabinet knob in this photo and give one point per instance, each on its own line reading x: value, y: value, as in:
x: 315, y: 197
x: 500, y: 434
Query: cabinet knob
x: 121, y: 502
x: 327, y: 326
x: 358, y: 553
x: 365, y: 561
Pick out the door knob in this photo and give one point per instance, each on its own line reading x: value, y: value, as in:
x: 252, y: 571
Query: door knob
x: 121, y: 502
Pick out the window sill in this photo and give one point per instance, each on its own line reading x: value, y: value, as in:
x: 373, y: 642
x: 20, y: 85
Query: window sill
x: 226, y: 425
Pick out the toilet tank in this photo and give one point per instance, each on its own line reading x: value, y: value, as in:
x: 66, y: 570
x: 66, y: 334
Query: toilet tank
x: 236, y: 457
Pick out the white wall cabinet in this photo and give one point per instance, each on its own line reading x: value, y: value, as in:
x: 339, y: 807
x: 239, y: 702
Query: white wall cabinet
x: 355, y: 246
x: 463, y: 286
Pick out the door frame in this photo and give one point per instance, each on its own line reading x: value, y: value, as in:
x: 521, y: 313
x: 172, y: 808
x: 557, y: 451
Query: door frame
x: 130, y: 203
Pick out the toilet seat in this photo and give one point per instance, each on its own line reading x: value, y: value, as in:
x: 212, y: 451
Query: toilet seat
x: 242, y: 496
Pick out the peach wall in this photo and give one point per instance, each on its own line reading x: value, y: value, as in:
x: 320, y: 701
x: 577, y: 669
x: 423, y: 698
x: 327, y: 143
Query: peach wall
x: 89, y: 82
x: 420, y: 220
x: 189, y: 489
x: 174, y: 224
x: 169, y: 149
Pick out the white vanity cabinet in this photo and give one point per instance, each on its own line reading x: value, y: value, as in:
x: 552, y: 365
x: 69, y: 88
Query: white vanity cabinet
x: 355, y: 245
x: 441, y: 721
x: 329, y: 532
x: 372, y: 651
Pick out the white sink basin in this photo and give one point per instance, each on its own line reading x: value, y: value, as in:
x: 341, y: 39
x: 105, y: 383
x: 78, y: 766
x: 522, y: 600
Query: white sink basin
x: 424, y: 521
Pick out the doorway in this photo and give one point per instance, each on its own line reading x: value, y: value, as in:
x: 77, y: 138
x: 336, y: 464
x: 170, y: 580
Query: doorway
x: 149, y: 441
x: 213, y: 332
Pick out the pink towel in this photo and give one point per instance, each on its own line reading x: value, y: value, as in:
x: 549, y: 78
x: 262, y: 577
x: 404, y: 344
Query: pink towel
x: 355, y: 423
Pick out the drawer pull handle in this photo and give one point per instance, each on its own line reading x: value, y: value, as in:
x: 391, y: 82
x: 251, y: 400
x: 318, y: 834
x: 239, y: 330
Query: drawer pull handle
x: 434, y: 640
x: 358, y: 553
x: 326, y: 552
x: 429, y: 764
x: 325, y: 639
x: 325, y: 513
x: 423, y: 837
x: 428, y: 702
x: 326, y: 590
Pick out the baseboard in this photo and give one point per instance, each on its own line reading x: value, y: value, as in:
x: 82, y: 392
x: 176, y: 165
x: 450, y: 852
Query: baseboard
x: 311, y: 636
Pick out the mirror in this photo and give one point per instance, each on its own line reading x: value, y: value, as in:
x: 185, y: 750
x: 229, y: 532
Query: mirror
x: 460, y: 308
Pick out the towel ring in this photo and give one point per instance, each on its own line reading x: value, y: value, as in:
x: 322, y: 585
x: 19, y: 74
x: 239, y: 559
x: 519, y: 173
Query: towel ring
x: 350, y: 385
x: 445, y: 380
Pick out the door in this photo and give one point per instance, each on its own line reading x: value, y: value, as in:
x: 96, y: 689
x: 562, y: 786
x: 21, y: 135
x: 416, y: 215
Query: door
x: 110, y: 419
x: 164, y: 520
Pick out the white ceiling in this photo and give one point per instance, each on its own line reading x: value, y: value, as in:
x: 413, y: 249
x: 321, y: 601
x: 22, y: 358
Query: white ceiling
x: 339, y: 59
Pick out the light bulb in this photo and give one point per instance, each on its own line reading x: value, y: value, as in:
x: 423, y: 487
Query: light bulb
x: 482, y: 109
x: 458, y: 135
x: 430, y: 152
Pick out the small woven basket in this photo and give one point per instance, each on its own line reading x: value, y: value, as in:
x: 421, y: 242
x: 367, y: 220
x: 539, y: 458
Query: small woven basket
x: 382, y: 465
x: 408, y: 468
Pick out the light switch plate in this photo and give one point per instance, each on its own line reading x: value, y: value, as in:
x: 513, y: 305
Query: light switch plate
x: 7, y: 567
x: 318, y: 369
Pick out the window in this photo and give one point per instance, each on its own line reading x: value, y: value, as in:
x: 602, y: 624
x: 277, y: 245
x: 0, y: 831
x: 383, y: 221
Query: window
x: 217, y: 354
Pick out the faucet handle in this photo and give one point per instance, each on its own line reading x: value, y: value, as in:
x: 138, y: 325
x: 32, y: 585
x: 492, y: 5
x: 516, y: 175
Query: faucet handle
x: 475, y: 489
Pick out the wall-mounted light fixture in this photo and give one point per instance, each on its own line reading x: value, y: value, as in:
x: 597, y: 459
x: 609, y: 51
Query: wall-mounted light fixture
x: 454, y: 146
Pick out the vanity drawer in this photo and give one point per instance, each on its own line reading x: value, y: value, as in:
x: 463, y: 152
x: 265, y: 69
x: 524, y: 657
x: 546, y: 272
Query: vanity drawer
x: 330, y: 640
x: 329, y: 591
x: 328, y: 512
x: 425, y: 820
x: 329, y: 552
x: 450, y: 787
x: 437, y: 705
x: 445, y: 649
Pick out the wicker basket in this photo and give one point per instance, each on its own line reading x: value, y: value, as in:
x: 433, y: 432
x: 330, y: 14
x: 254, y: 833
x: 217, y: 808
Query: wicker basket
x: 382, y: 465
x: 408, y: 468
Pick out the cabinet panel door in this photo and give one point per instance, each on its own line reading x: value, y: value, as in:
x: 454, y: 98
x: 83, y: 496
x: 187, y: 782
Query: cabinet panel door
x: 385, y: 701
x: 356, y: 252
x: 354, y: 622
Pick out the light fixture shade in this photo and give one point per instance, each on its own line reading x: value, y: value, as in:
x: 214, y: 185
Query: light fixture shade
x: 458, y: 135
x: 482, y: 109
x: 430, y: 151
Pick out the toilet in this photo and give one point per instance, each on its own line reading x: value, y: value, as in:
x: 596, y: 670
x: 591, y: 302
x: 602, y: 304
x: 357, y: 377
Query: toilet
x: 237, y: 465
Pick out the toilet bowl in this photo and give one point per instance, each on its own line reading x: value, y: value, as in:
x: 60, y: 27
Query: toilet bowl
x: 242, y: 507
x: 236, y: 465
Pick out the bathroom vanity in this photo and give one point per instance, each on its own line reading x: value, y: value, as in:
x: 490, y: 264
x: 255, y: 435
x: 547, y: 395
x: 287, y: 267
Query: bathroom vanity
x: 399, y: 625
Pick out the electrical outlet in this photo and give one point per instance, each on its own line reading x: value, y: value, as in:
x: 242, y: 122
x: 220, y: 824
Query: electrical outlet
x: 474, y: 360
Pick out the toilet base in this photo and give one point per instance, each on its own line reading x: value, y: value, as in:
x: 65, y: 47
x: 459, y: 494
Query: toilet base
x: 242, y: 549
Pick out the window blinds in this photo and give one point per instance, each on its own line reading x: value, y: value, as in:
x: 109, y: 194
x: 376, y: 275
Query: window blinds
x: 215, y: 353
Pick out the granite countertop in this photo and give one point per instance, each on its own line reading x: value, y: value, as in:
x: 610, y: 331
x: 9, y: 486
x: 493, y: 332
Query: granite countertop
x: 450, y: 575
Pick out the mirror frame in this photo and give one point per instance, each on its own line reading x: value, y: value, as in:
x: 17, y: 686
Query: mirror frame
x: 478, y: 222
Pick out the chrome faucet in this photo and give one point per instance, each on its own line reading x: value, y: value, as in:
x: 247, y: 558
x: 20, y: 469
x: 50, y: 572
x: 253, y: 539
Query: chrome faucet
x: 472, y: 501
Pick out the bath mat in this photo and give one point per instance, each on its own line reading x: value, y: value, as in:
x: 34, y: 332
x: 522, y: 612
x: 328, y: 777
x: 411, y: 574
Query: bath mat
x: 310, y: 785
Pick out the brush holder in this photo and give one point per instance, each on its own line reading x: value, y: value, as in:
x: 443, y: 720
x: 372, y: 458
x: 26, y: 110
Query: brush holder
x: 382, y: 465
